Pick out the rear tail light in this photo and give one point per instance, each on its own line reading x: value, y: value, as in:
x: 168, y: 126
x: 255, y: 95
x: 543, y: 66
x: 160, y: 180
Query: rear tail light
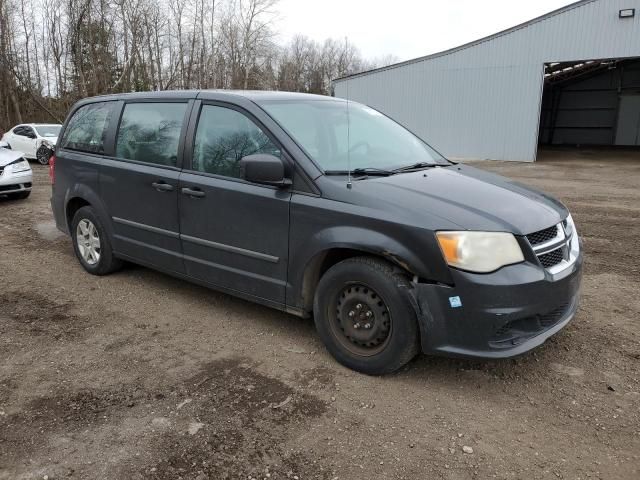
x: 52, y: 169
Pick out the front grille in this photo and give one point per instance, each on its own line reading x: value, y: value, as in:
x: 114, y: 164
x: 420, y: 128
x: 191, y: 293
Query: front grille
x: 542, y: 236
x: 550, y: 245
x: 553, y: 258
x: 6, y: 188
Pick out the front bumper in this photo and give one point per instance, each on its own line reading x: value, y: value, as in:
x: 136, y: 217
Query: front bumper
x: 15, y: 182
x: 497, y: 315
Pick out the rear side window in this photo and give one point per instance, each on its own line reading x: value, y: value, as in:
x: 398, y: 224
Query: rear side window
x: 150, y: 132
x: 223, y: 137
x: 23, y: 131
x: 87, y: 128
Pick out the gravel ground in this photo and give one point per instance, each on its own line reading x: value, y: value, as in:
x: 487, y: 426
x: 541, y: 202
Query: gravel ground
x: 139, y: 375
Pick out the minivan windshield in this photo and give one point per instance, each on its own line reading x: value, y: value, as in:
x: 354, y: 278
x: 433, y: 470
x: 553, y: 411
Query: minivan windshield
x: 48, y: 130
x: 341, y: 137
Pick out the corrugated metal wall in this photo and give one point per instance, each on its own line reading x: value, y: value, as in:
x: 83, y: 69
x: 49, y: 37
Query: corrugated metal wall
x: 483, y: 101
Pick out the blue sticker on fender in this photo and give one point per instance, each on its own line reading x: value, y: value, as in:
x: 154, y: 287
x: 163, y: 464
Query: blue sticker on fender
x: 455, y: 302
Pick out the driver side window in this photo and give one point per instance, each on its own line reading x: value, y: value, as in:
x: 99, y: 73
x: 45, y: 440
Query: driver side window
x: 224, y: 136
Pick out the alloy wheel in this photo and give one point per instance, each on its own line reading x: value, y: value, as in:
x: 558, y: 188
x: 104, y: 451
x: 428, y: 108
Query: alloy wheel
x: 88, y: 241
x: 43, y: 155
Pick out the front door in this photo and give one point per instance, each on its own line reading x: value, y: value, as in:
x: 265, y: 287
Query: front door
x: 139, y: 184
x: 234, y: 233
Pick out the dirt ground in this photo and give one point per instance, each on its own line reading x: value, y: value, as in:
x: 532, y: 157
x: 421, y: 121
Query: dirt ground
x: 139, y: 375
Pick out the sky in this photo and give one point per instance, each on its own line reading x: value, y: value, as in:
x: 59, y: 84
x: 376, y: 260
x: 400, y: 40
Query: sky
x: 406, y: 28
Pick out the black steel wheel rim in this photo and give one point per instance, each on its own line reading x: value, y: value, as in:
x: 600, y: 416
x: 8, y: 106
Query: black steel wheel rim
x: 360, y: 320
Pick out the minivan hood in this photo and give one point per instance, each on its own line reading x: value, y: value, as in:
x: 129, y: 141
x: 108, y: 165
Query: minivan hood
x: 9, y: 156
x: 468, y: 197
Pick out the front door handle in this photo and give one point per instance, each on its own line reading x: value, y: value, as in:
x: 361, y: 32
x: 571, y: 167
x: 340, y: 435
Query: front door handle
x: 162, y: 186
x: 193, y: 193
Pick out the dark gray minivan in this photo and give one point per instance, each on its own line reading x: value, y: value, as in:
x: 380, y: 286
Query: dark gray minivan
x: 319, y: 207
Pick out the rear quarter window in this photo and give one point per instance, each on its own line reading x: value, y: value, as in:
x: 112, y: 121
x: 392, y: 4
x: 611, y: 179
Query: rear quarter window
x: 87, y: 128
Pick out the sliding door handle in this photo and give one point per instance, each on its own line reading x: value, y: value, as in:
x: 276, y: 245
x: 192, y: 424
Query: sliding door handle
x: 162, y: 186
x: 193, y: 193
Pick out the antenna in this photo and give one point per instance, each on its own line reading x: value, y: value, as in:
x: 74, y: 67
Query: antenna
x: 349, y: 184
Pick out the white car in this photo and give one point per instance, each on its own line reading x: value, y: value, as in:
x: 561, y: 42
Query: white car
x: 16, y: 176
x: 36, y: 140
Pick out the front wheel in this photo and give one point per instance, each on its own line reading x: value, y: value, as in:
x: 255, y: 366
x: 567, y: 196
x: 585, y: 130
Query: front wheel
x: 43, y: 155
x: 91, y: 243
x: 364, y: 316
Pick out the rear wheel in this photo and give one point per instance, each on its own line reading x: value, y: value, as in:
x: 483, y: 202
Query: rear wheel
x: 91, y: 243
x: 364, y: 315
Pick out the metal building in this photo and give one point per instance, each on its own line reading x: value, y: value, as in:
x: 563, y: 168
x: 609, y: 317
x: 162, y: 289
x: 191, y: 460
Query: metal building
x: 571, y: 76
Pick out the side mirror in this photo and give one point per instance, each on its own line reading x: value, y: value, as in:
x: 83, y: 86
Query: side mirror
x: 31, y: 135
x: 265, y: 169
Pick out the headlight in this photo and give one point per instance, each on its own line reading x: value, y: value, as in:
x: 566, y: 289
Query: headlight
x: 17, y: 167
x: 480, y: 252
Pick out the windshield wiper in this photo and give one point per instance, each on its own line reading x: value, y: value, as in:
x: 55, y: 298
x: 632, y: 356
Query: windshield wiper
x: 418, y: 166
x: 366, y: 171
x: 373, y: 171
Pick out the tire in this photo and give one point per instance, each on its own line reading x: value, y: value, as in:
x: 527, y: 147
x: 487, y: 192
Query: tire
x: 43, y: 155
x: 19, y: 195
x: 95, y: 258
x: 374, y: 295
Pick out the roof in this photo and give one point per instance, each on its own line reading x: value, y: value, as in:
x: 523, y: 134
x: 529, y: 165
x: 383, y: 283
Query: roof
x: 471, y: 44
x: 271, y: 95
x: 38, y: 125
x: 254, y: 95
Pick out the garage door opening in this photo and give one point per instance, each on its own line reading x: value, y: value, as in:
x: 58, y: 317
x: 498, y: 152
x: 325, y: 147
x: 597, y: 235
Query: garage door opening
x: 593, y: 103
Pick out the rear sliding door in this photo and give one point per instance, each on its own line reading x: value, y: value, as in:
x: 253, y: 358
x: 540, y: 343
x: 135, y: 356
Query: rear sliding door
x: 139, y: 183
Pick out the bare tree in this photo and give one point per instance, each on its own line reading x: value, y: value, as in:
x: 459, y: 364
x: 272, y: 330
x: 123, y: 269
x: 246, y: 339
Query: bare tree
x: 53, y: 52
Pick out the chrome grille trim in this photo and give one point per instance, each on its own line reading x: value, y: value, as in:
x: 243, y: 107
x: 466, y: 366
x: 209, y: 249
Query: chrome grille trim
x: 565, y: 240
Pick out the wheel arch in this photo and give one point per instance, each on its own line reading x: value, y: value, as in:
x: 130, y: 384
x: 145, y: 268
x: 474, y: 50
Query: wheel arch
x: 73, y: 205
x: 322, y: 261
x: 81, y: 196
x: 317, y: 253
